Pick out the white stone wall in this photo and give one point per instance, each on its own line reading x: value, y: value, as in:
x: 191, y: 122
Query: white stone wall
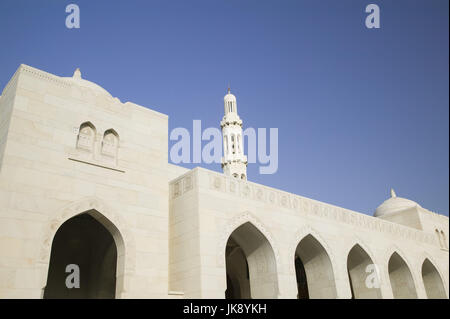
x: 219, y: 205
x: 170, y: 236
x: 45, y: 180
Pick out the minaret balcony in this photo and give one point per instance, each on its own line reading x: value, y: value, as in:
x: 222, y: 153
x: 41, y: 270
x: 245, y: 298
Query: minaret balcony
x: 230, y: 121
x: 234, y: 158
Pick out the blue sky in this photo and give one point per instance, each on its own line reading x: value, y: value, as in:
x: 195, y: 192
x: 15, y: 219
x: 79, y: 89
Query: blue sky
x: 358, y: 110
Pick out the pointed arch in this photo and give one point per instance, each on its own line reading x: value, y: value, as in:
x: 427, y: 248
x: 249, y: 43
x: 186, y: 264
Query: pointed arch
x: 401, y: 278
x: 363, y: 274
x: 86, y: 136
x: 432, y: 280
x: 312, y: 256
x: 113, y: 222
x: 251, y: 265
x: 85, y: 245
x: 237, y: 221
x: 110, y: 143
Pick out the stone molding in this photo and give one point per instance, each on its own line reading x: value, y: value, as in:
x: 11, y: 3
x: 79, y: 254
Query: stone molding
x: 299, y: 205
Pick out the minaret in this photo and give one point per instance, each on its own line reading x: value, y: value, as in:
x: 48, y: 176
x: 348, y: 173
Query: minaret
x: 234, y: 162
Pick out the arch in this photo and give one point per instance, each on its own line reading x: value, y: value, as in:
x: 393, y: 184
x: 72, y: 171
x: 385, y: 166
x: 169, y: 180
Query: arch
x: 85, y: 246
x: 360, y: 266
x: 225, y: 142
x: 86, y: 136
x: 233, y: 224
x: 110, y: 143
x: 114, y: 223
x: 317, y: 267
x: 239, y: 143
x: 359, y: 242
x: 432, y: 280
x: 249, y: 252
x: 233, y: 144
x: 401, y: 278
x: 238, y: 275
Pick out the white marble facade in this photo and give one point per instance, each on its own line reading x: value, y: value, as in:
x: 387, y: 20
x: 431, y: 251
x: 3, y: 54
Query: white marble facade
x: 82, y: 171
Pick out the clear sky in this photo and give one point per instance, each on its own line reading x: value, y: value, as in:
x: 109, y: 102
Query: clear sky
x: 358, y: 110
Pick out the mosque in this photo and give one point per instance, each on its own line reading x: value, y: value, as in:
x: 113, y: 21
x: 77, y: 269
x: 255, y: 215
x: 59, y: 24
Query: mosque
x: 86, y: 184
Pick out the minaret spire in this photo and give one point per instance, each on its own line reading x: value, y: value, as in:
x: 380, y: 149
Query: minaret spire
x: 77, y: 74
x: 393, y: 193
x: 234, y: 162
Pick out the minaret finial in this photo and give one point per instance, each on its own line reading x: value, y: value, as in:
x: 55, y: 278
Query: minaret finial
x: 393, y: 193
x: 229, y: 90
x: 77, y: 74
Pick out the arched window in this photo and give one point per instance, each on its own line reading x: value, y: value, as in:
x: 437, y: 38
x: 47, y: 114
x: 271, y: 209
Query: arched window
x: 86, y: 136
x: 225, y: 142
x: 239, y: 143
x: 110, y: 143
x: 233, y: 147
x: 243, y: 176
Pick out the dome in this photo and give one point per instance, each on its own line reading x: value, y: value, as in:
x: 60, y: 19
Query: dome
x: 394, y: 204
x: 229, y: 97
x: 76, y: 79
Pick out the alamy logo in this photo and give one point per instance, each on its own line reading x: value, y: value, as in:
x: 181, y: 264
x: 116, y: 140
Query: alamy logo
x: 373, y: 19
x: 373, y: 279
x: 73, y: 19
x: 257, y: 150
x: 73, y: 280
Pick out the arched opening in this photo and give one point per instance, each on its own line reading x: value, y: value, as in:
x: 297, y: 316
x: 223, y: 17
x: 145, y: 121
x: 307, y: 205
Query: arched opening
x: 239, y: 143
x: 85, y: 242
x: 302, y: 283
x: 402, y: 282
x: 362, y: 274
x: 250, y: 265
x: 432, y: 281
x: 233, y: 146
x: 225, y: 142
x: 316, y: 279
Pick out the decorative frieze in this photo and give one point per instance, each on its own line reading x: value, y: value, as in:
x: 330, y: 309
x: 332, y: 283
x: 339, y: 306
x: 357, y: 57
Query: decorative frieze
x: 305, y: 206
x: 44, y: 75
